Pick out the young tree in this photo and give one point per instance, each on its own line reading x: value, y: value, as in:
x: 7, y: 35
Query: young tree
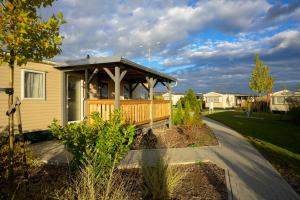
x: 261, y: 80
x: 190, y: 97
x: 25, y: 36
x: 178, y: 115
x: 187, y: 114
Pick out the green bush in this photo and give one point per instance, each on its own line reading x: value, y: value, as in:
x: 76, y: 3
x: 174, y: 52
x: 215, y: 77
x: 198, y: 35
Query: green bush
x: 110, y: 139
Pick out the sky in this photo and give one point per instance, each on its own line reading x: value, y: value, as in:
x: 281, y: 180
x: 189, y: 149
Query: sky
x: 206, y: 45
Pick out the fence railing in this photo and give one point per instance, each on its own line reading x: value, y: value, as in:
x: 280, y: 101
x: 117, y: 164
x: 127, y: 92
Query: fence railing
x: 132, y: 111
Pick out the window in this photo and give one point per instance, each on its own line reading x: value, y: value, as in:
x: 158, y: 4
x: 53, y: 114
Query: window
x: 279, y: 100
x: 104, y: 91
x: 33, y: 84
x: 126, y: 91
x: 212, y: 99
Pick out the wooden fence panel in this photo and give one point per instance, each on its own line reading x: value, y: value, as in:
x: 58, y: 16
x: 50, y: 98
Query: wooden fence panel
x: 132, y: 111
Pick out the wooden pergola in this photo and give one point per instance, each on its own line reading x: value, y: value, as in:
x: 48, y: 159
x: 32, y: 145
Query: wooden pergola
x: 119, y: 69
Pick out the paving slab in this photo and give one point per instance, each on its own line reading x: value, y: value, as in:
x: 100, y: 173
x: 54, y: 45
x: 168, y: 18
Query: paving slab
x: 52, y: 152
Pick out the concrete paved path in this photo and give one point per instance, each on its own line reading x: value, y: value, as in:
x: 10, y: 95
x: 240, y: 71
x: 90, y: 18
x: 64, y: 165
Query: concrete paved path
x: 251, y: 176
x: 51, y: 151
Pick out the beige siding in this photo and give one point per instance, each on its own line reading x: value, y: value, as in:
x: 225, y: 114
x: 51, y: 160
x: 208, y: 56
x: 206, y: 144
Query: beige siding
x: 225, y: 100
x: 216, y: 105
x: 36, y: 114
x: 279, y: 107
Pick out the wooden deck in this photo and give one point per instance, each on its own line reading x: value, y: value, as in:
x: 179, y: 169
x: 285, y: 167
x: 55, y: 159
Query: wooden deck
x: 133, y: 111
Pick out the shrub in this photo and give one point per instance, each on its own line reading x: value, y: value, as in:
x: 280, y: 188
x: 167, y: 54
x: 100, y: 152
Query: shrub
x: 294, y: 114
x: 294, y: 109
x: 78, y: 137
x: 110, y: 139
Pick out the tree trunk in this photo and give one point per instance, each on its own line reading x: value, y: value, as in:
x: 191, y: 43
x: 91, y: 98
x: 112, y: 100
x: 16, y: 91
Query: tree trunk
x: 11, y: 122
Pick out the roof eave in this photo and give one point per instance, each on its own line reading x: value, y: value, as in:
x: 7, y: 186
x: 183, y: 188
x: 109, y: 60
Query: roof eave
x: 113, y: 59
x: 143, y: 68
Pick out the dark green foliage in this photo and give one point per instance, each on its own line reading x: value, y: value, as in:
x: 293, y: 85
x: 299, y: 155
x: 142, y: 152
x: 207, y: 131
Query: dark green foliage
x: 294, y: 109
x: 294, y: 114
x: 110, y: 139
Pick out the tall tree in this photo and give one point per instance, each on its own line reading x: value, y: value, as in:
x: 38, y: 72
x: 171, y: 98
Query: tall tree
x: 261, y: 80
x: 25, y: 36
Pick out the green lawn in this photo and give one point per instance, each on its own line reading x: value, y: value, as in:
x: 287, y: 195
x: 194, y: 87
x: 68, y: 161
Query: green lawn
x: 278, y: 140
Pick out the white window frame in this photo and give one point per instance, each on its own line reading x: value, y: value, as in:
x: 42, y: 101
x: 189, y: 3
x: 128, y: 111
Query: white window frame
x: 213, y: 98
x: 23, y: 84
x: 276, y: 100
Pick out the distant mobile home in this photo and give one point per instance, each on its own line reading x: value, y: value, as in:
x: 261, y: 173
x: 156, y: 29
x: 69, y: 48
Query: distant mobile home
x: 70, y: 91
x: 224, y: 100
x: 281, y: 100
x: 176, y: 96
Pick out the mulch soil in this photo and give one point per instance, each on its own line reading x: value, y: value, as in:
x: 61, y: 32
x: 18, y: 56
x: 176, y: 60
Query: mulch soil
x: 43, y: 181
x: 202, y: 181
x: 177, y: 137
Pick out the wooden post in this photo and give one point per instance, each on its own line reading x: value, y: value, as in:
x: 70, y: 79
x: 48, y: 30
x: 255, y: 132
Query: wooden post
x: 151, y: 82
x: 117, y: 88
x: 86, y: 93
x: 168, y: 86
x: 117, y: 78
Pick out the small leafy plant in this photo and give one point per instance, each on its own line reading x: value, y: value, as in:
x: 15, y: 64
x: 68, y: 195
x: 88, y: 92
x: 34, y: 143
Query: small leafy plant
x: 110, y: 139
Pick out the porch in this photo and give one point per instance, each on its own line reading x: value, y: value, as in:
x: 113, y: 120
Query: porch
x: 105, y: 84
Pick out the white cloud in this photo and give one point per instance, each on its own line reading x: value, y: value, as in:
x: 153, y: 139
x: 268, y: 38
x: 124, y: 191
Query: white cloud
x: 119, y: 27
